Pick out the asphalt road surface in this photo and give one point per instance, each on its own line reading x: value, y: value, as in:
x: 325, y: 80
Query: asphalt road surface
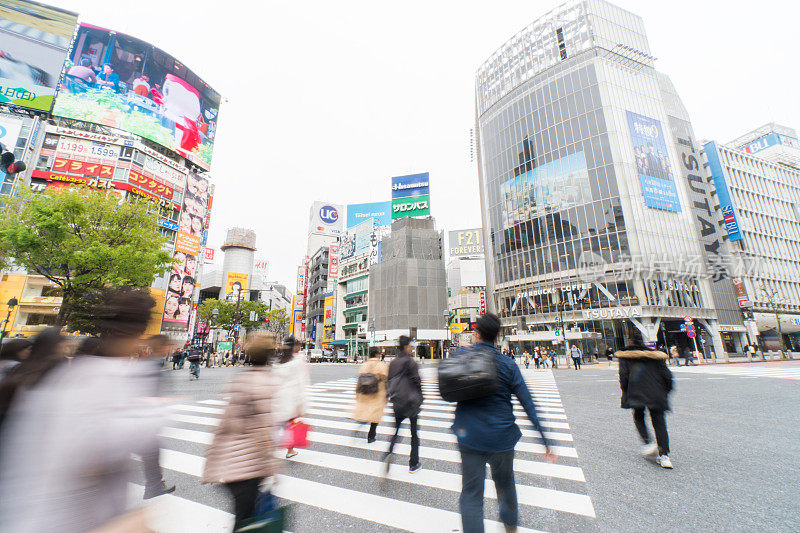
x: 734, y: 436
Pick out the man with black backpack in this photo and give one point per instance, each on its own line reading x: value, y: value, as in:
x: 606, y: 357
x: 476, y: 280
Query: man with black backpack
x: 487, y: 432
x: 371, y: 393
x: 405, y: 392
x: 194, y: 355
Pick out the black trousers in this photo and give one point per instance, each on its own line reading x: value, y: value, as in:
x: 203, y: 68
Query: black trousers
x: 659, y: 427
x: 244, y: 494
x: 373, y: 428
x: 414, y: 458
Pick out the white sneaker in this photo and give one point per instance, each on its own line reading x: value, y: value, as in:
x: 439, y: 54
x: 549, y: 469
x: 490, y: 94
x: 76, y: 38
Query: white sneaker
x: 649, y: 450
x: 664, y: 461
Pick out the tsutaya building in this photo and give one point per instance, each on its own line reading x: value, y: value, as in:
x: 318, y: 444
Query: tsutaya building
x: 597, y: 211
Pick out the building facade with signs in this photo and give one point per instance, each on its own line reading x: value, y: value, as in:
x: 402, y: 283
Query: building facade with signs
x: 588, y: 226
x: 757, y: 179
x: 408, y: 287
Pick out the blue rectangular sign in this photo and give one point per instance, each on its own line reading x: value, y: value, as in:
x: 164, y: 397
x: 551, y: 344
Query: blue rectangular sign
x: 652, y: 163
x: 723, y: 193
x: 411, y: 185
x: 380, y: 211
x: 168, y: 224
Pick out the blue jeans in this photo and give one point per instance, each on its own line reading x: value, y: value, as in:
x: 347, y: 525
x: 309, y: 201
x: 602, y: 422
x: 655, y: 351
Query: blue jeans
x: 473, y: 478
x: 194, y: 368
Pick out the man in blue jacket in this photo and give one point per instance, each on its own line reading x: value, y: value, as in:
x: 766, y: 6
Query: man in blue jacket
x: 487, y: 433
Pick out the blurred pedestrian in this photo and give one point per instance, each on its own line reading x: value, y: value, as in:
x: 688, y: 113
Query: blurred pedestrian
x: 184, y: 354
x: 292, y: 374
x: 405, y: 391
x: 371, y: 393
x: 13, y: 353
x: 646, y: 383
x: 674, y: 354
x: 527, y: 358
x: 487, y: 433
x: 195, y: 356
x: 609, y: 355
x: 70, y: 432
x: 576, y: 354
x: 537, y: 358
x: 553, y: 358
x: 90, y: 346
x: 242, y: 452
x: 159, y: 346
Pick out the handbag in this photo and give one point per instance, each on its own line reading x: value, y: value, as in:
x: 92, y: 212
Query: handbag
x: 269, y: 516
x: 469, y: 374
x: 368, y: 383
x: 295, y: 435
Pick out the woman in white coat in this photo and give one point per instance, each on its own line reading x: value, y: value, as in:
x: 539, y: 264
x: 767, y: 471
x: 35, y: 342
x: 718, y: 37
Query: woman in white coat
x: 292, y: 376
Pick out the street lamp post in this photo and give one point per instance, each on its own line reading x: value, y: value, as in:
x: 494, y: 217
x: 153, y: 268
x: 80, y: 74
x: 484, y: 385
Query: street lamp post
x: 772, y: 298
x: 12, y: 303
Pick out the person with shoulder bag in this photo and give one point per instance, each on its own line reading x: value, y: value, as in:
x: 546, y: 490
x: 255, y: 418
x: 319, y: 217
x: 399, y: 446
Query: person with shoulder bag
x: 371, y: 393
x: 242, y: 452
x: 485, y: 425
x: 291, y: 371
x: 405, y: 392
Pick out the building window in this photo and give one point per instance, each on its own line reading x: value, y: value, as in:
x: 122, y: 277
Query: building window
x: 37, y: 319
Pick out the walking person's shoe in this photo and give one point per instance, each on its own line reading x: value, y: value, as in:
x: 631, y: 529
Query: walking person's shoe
x: 649, y: 450
x: 664, y: 461
x: 415, y: 468
x: 370, y: 440
x: 291, y: 452
x: 163, y: 489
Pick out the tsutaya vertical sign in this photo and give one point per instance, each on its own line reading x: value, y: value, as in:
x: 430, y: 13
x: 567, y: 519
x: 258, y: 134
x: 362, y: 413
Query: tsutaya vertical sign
x: 702, y: 205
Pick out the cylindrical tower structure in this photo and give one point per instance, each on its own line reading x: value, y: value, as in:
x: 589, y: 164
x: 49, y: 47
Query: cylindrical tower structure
x: 237, y: 266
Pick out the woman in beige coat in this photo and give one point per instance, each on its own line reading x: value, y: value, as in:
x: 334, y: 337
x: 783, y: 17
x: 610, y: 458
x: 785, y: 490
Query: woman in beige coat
x: 242, y: 453
x: 369, y: 407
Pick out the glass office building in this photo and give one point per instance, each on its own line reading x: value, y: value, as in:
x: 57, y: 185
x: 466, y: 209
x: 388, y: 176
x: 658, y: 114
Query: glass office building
x: 588, y: 225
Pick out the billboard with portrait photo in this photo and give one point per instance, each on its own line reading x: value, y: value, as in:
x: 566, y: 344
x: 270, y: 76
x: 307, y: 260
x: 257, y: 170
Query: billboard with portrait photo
x: 652, y: 163
x: 34, y: 41
x: 235, y: 286
x: 123, y: 82
x: 180, y: 289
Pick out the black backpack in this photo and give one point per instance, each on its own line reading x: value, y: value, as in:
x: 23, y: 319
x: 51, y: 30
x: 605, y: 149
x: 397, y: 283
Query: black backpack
x: 368, y: 383
x: 406, y: 398
x: 469, y: 374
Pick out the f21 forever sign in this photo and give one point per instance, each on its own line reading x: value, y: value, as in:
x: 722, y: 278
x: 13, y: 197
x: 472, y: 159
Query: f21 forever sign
x: 411, y: 196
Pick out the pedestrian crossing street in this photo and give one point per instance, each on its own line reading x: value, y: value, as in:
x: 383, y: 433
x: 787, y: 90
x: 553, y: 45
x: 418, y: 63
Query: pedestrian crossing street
x: 335, y: 483
x: 765, y: 370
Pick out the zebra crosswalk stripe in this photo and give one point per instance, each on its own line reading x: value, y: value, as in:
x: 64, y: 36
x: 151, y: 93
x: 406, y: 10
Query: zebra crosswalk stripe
x: 335, y: 448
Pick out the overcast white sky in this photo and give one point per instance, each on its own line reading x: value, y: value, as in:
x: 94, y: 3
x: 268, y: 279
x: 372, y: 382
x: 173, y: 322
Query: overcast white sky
x: 328, y: 100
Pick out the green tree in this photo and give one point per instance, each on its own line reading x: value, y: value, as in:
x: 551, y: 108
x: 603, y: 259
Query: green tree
x: 84, y: 241
x: 227, y: 317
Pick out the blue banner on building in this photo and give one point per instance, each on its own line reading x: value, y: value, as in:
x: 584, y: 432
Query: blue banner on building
x: 168, y: 224
x: 380, y: 211
x: 411, y: 185
x: 723, y: 193
x: 652, y: 163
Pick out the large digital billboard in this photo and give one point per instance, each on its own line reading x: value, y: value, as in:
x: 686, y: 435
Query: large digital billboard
x: 34, y: 40
x: 552, y: 186
x: 119, y: 81
x: 380, y: 211
x: 652, y: 163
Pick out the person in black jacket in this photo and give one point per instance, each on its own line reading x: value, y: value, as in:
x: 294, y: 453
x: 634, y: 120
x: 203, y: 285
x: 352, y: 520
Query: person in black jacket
x: 646, y: 382
x: 405, y: 392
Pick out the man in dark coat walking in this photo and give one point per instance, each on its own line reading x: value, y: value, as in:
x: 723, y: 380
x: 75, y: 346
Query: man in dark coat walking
x: 405, y: 392
x: 646, y: 382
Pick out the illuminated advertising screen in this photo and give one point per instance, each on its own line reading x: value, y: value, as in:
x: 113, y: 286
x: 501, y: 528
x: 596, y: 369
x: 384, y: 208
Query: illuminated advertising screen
x: 34, y: 40
x: 356, y: 240
x: 119, y: 81
x: 553, y: 186
x: 652, y: 163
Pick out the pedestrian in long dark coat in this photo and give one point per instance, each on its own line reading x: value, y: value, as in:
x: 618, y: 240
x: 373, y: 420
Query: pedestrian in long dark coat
x: 646, y: 383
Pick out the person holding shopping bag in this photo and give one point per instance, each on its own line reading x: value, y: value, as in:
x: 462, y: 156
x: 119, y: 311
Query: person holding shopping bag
x: 242, y: 453
x: 291, y: 372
